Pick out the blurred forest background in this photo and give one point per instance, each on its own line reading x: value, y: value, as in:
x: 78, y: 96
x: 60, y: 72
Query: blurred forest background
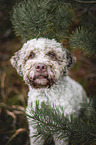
x: 13, y: 91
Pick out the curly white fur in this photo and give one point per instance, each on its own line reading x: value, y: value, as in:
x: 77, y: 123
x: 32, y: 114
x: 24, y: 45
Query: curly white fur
x: 51, y: 85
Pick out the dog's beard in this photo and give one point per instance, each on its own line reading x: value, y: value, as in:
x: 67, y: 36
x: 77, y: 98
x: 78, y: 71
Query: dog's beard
x: 44, y: 79
x: 41, y: 82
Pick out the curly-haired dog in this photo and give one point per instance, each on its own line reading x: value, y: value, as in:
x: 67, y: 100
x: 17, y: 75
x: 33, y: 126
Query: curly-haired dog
x: 43, y: 63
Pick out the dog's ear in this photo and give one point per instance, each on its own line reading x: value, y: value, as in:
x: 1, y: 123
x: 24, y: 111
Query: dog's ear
x: 16, y: 62
x: 70, y: 59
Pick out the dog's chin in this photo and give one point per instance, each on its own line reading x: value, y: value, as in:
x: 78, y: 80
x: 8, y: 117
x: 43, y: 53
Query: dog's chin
x: 41, y: 82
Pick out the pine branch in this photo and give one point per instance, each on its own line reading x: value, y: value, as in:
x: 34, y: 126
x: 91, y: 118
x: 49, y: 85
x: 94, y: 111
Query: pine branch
x: 42, y: 18
x: 50, y: 120
x: 84, y: 128
x: 84, y: 39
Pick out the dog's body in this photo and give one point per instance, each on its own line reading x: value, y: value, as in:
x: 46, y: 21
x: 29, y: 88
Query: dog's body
x: 66, y: 93
x: 43, y: 63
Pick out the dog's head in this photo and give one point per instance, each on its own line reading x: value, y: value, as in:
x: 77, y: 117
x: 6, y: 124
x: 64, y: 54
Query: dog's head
x: 42, y: 62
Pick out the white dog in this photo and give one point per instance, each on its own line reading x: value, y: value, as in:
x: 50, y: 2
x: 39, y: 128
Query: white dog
x: 43, y: 63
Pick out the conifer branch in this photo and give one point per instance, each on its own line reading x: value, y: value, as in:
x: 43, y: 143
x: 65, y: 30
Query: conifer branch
x: 40, y: 19
x: 49, y: 120
x: 83, y: 39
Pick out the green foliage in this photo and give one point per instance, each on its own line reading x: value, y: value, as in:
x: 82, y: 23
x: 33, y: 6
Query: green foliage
x: 56, y: 19
x: 84, y: 35
x: 84, y: 39
x: 84, y: 128
x: 49, y: 120
x: 28, y: 18
x: 40, y: 19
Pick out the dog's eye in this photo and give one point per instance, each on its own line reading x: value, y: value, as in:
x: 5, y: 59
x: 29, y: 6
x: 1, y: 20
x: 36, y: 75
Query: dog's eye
x: 52, y: 55
x: 32, y: 55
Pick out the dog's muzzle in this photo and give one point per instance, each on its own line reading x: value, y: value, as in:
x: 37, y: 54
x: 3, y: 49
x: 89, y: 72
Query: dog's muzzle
x: 41, y: 79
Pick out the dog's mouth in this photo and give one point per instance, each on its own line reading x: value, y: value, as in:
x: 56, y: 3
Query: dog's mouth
x: 41, y: 81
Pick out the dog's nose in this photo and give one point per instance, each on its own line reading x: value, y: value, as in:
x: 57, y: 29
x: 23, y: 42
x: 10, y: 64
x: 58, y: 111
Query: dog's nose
x: 40, y: 67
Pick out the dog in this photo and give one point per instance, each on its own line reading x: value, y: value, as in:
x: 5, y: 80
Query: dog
x: 44, y: 63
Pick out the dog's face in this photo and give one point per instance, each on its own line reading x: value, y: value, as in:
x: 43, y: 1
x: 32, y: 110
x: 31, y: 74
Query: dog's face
x: 42, y: 62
